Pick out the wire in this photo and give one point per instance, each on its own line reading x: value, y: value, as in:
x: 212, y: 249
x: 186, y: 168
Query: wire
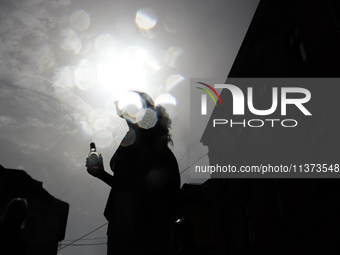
x: 95, y: 238
x: 193, y: 163
x: 187, y: 151
x: 84, y: 244
x: 83, y: 236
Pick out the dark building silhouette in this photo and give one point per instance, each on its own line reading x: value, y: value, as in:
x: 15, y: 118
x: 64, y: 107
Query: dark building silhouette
x: 294, y: 38
x: 47, y: 216
x: 282, y: 216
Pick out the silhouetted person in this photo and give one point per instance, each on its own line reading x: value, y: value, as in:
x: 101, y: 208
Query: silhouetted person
x: 142, y: 204
x: 184, y: 231
x: 12, y: 222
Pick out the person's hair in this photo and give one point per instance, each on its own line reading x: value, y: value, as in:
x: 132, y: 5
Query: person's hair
x: 163, y: 124
x: 16, y: 212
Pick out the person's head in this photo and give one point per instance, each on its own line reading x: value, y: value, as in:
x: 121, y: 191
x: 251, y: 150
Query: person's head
x: 16, y: 212
x: 140, y: 112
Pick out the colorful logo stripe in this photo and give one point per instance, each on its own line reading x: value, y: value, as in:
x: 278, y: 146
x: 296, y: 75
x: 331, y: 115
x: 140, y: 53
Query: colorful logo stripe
x: 209, y: 92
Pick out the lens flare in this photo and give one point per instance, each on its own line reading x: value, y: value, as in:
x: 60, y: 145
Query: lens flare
x: 70, y: 40
x: 86, y: 129
x: 105, y: 45
x: 44, y: 57
x: 86, y: 46
x: 152, y: 65
x: 167, y: 101
x: 173, y: 81
x: 62, y: 92
x: 146, y: 118
x: 135, y: 53
x: 80, y: 20
x: 85, y: 77
x: 146, y: 18
x: 172, y: 55
x: 99, y: 119
x: 64, y: 78
x: 82, y: 111
x: 128, y: 106
x: 102, y: 138
x: 149, y: 34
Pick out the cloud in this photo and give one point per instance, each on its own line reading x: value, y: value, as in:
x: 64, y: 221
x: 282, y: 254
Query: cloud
x: 33, y: 122
x: 7, y: 121
x: 29, y: 149
x: 27, y: 19
x: 27, y: 55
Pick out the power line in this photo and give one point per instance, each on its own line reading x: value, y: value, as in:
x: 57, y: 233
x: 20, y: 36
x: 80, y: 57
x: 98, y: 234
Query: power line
x: 84, y: 244
x: 95, y: 238
x: 193, y: 163
x: 83, y: 236
x: 187, y: 151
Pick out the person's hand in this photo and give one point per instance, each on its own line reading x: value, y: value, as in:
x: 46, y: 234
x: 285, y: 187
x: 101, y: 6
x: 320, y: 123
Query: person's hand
x: 95, y: 166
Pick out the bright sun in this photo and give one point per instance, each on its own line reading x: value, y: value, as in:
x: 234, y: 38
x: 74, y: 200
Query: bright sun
x: 123, y: 73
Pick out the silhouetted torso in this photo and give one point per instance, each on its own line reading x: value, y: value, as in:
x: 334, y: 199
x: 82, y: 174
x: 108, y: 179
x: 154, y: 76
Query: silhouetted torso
x: 11, y: 240
x: 143, y: 199
x: 194, y: 248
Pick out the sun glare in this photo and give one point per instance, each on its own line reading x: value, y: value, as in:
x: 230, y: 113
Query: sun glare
x: 121, y: 74
x: 130, y: 98
x: 130, y: 104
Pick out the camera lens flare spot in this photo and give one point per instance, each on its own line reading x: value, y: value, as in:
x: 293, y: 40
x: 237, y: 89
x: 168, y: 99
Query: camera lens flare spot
x: 146, y: 118
x: 86, y: 129
x: 128, y: 106
x: 102, y: 138
x: 146, y: 18
x: 167, y: 101
x: 69, y: 40
x: 80, y: 20
x: 85, y: 77
x: 64, y: 78
x: 105, y: 45
x: 99, y: 119
x: 173, y: 81
x: 172, y: 55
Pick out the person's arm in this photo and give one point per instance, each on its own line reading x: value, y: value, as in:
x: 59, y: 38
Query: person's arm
x: 107, y: 178
x: 96, y: 169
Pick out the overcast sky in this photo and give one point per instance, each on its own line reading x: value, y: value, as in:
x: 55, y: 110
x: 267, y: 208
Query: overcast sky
x: 57, y: 88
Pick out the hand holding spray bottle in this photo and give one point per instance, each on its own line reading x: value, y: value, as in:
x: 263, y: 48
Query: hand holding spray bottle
x: 94, y: 162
